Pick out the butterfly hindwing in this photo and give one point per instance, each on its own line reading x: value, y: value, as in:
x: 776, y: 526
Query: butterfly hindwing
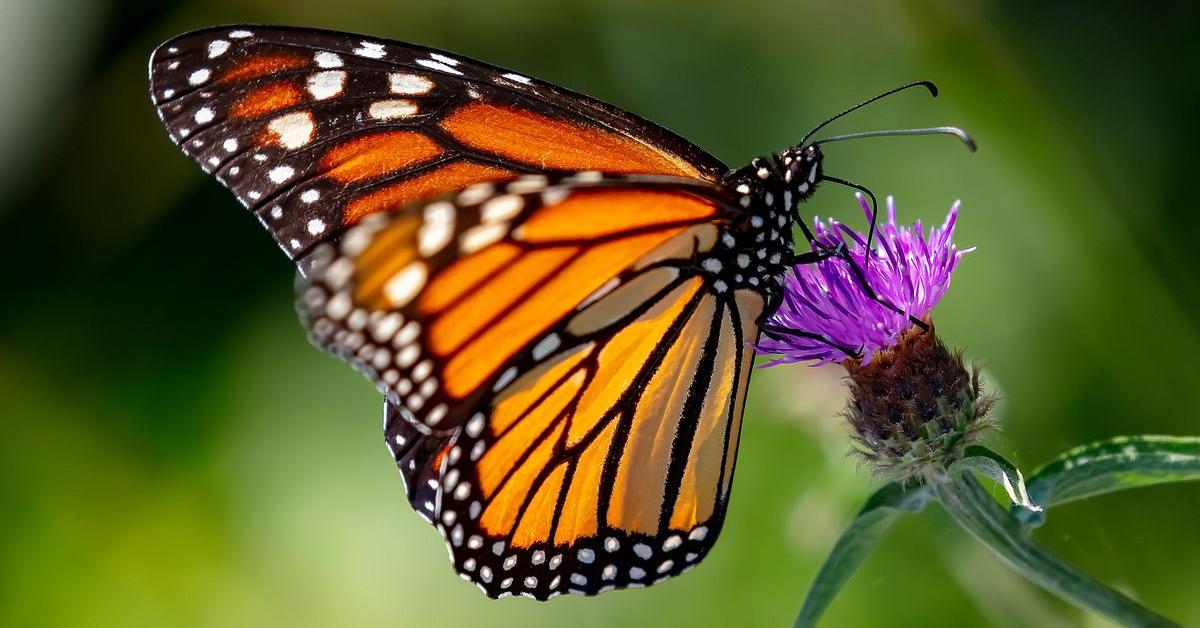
x: 610, y: 465
x: 576, y: 385
x: 313, y: 130
x: 416, y: 454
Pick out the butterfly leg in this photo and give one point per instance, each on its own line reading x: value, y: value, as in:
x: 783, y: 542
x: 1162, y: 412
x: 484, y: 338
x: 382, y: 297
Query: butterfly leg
x: 860, y: 275
x: 874, y: 211
x: 861, y: 278
x: 818, y: 251
x: 779, y: 332
x: 840, y: 251
x: 818, y: 254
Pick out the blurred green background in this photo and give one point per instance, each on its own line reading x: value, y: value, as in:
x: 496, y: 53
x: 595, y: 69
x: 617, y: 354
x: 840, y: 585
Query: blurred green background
x: 176, y: 454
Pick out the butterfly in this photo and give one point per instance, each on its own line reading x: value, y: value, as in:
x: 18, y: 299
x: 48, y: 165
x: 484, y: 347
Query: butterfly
x: 556, y: 297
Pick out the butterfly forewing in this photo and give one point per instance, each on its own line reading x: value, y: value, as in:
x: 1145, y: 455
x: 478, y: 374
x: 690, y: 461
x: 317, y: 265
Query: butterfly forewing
x: 435, y: 301
x: 313, y: 130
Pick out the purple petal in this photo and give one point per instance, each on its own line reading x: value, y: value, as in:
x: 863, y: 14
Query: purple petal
x: 910, y: 269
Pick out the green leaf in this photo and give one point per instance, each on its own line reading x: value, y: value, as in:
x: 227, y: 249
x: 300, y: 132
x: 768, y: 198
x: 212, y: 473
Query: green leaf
x: 976, y: 511
x: 1103, y: 467
x: 991, y: 464
x: 873, y: 521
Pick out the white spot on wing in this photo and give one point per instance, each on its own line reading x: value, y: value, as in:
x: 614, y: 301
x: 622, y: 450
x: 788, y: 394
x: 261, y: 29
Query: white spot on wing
x: 527, y: 184
x: 339, y: 306
x: 480, y: 236
x: 546, y: 346
x: 433, y: 418
x: 279, y: 174
x: 409, y: 84
x: 408, y: 333
x: 217, y: 47
x: 475, y: 193
x: 475, y: 425
x: 438, y: 228
x: 444, y: 58
x: 327, y: 84
x: 506, y: 378
x: 199, y: 76
x: 326, y: 59
x: 316, y: 226
x: 405, y: 284
x: 406, y: 356
x: 391, y: 109
x: 204, y: 115
x: 371, y: 50
x: 435, y: 65
x: 310, y: 196
x: 240, y: 34
x: 502, y: 208
x: 293, y: 130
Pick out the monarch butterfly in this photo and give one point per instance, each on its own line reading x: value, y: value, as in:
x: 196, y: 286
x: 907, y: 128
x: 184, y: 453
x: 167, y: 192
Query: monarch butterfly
x: 556, y: 297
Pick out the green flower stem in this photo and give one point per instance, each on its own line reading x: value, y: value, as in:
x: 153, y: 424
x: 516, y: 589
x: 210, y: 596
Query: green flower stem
x: 870, y: 525
x: 986, y: 520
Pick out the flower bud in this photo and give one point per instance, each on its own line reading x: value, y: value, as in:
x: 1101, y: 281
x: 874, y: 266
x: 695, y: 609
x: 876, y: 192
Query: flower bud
x: 915, y: 406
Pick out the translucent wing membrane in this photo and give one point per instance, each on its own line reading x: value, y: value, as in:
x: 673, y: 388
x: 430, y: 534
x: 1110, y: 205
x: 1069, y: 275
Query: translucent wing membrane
x: 565, y: 377
x: 313, y: 130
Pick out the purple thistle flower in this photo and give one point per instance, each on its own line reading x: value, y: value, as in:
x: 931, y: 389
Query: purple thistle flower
x: 909, y: 269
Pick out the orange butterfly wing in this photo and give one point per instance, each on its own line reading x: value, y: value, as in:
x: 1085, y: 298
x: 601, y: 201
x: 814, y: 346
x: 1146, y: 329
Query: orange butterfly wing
x: 313, y: 130
x: 565, y: 383
x: 564, y: 380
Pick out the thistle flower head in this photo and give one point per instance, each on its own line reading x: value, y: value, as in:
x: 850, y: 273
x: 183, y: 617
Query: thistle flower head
x: 914, y: 404
x: 910, y: 269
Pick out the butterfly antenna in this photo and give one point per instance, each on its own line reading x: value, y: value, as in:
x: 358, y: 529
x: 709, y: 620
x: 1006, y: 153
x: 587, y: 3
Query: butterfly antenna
x: 874, y: 213
x: 933, y: 90
x: 934, y: 130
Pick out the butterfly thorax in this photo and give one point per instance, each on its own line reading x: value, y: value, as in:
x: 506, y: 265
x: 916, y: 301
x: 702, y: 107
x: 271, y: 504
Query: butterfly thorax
x: 758, y: 246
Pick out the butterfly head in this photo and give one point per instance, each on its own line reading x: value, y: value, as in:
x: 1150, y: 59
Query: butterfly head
x: 800, y: 169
